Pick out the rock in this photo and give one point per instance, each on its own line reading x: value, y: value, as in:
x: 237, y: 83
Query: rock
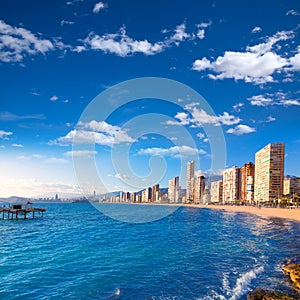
x: 259, y: 294
x: 294, y: 271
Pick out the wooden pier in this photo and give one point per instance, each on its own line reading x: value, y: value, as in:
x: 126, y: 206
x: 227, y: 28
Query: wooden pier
x: 21, y: 211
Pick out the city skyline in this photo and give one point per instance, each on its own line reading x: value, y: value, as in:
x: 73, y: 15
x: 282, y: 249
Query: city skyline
x: 55, y: 59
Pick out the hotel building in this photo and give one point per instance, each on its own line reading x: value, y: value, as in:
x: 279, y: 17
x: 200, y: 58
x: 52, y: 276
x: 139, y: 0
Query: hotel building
x: 199, y: 186
x: 174, y: 190
x: 231, y: 185
x: 216, y: 191
x: 155, y: 193
x: 269, y: 172
x: 291, y: 186
x: 247, y: 173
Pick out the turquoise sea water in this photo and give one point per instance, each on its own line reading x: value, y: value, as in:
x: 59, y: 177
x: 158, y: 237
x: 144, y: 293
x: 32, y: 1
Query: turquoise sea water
x: 75, y: 252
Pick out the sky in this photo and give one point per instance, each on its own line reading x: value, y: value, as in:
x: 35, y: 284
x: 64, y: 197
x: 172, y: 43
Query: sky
x: 58, y: 59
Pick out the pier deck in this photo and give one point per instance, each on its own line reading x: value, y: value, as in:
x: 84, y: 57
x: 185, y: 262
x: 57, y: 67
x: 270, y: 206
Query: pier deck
x: 21, y: 211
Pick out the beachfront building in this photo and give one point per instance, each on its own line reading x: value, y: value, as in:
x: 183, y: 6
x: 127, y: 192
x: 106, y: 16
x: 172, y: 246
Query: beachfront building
x: 231, y: 185
x: 198, y: 192
x: 174, y: 190
x: 155, y: 193
x: 247, y: 173
x: 146, y: 194
x: 269, y: 173
x: 216, y: 191
x: 190, y: 181
x: 291, y: 186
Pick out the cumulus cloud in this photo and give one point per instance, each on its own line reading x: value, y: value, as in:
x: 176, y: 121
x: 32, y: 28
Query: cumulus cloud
x: 199, y: 117
x: 16, y: 43
x: 98, y: 6
x: 93, y: 132
x: 4, y: 134
x: 121, y: 44
x: 257, y: 64
x: 175, y: 151
x: 268, y: 99
x: 241, y: 129
x: 256, y: 29
x: 54, y: 98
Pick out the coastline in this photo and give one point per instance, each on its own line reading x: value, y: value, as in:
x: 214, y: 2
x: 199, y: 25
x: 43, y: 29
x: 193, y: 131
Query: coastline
x: 267, y: 212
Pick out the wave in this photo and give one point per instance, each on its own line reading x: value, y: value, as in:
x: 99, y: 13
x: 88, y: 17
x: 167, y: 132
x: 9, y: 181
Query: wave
x: 243, y: 282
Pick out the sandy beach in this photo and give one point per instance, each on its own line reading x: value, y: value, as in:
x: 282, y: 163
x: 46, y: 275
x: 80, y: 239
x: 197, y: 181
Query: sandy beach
x: 284, y: 213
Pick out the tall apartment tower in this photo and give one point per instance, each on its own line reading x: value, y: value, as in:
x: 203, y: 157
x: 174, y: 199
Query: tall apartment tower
x: 155, y: 193
x: 174, y: 190
x: 269, y: 173
x: 247, y: 173
x: 216, y: 191
x: 231, y: 185
x: 190, y: 181
x: 199, y: 187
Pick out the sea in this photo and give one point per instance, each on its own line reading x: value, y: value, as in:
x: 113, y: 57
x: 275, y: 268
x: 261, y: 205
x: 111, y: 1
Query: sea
x: 77, y: 252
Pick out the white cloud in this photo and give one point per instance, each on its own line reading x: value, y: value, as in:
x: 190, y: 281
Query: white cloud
x: 279, y: 98
x: 7, y: 116
x: 295, y: 61
x: 260, y: 100
x: 123, y: 45
x: 94, y: 132
x: 4, y: 134
x: 237, y: 107
x: 32, y: 187
x: 98, y: 6
x: 175, y: 151
x: 293, y: 12
x: 257, y: 64
x: 227, y: 119
x: 54, y: 98
x: 200, y: 117
x: 17, y: 145
x: 17, y: 43
x: 55, y: 160
x: 256, y: 29
x: 81, y: 153
x: 270, y: 119
x: 64, y: 22
x: 201, y: 29
x: 241, y: 129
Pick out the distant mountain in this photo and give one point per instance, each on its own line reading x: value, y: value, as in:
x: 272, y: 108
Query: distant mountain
x: 13, y: 199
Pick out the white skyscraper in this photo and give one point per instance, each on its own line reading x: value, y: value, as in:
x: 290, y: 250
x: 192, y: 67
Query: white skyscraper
x: 190, y: 181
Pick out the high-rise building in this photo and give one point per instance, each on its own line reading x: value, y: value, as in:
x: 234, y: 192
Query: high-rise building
x: 146, y: 194
x: 269, y: 173
x: 199, y: 186
x: 174, y: 190
x: 247, y: 173
x: 155, y: 193
x: 291, y: 186
x: 216, y: 191
x: 231, y: 185
x: 190, y: 181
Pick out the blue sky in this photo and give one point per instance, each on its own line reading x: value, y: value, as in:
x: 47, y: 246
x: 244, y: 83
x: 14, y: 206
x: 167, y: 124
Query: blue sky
x: 55, y: 57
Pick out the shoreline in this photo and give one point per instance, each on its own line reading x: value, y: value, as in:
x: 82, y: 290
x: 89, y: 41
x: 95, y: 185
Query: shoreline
x: 266, y: 212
